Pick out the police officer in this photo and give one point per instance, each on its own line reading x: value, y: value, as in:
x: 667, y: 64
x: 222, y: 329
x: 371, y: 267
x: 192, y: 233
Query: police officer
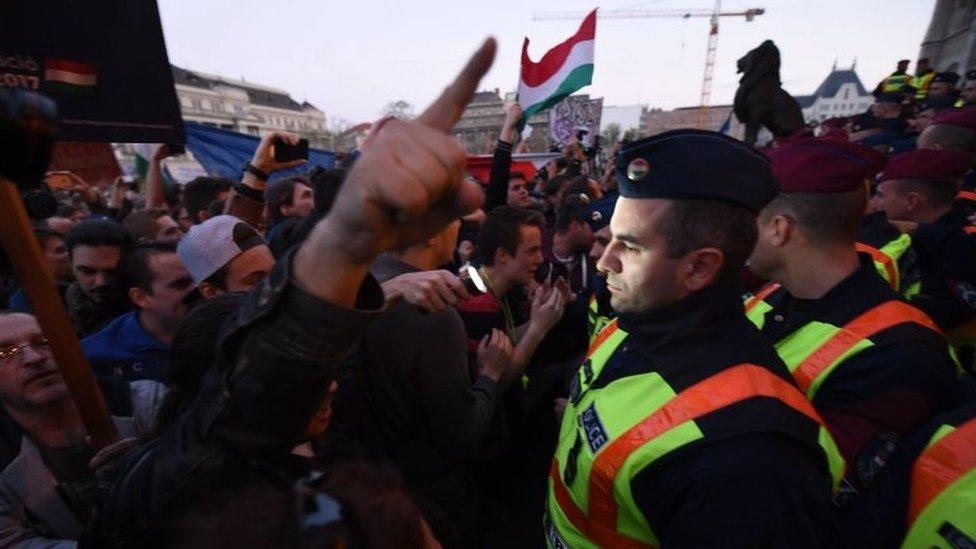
x: 926, y: 497
x: 917, y: 192
x: 874, y: 366
x: 923, y: 77
x: 944, y: 85
x: 683, y: 427
x: 599, y: 312
x: 896, y: 80
x: 955, y: 130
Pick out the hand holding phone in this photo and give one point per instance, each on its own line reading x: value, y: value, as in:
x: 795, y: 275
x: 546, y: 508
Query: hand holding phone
x: 286, y: 152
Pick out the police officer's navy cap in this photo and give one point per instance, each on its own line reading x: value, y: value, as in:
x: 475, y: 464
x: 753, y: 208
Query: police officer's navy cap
x: 695, y: 164
x: 598, y: 214
x: 890, y: 97
x: 941, y: 102
x: 946, y: 76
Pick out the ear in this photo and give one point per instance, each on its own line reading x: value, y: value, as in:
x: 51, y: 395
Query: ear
x: 778, y: 230
x: 139, y: 297
x: 208, y: 290
x: 701, y: 267
x: 202, y: 215
x: 913, y: 200
x: 285, y: 210
x: 502, y: 256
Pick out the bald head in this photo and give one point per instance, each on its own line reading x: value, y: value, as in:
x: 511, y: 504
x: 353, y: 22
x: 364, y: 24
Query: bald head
x: 948, y: 138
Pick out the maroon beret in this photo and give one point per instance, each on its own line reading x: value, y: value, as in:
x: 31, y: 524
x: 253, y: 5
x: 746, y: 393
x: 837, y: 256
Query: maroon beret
x: 925, y: 164
x: 964, y: 118
x: 824, y: 166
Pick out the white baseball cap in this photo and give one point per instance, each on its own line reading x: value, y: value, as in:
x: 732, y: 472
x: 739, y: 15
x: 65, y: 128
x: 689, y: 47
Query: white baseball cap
x: 207, y: 247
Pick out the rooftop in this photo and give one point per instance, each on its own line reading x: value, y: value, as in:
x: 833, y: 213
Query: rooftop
x: 265, y: 96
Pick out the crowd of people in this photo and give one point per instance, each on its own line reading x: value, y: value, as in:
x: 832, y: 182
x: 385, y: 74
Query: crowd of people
x: 699, y: 343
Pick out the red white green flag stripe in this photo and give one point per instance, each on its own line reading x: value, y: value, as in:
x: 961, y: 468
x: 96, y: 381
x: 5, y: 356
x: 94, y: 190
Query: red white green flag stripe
x: 561, y: 71
x: 69, y: 76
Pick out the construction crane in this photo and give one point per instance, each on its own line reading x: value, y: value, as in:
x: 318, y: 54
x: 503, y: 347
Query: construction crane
x: 714, y: 15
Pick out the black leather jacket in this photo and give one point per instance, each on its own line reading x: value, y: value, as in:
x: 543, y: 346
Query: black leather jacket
x: 222, y: 473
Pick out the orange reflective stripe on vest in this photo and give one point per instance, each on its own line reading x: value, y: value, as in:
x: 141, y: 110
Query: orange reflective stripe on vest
x: 884, y: 259
x: 875, y: 320
x: 762, y: 294
x: 966, y: 195
x: 732, y: 385
x: 940, y: 465
x: 607, y: 331
x: 970, y: 229
x: 598, y: 533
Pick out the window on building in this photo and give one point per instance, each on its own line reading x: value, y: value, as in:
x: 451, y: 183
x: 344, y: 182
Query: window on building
x: 206, y: 104
x: 253, y: 130
x: 197, y: 105
x: 184, y: 102
x: 847, y: 92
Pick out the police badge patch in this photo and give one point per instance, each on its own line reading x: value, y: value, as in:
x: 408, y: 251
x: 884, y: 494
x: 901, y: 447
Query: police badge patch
x: 596, y: 435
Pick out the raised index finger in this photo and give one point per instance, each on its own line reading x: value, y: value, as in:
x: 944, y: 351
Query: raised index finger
x: 443, y: 113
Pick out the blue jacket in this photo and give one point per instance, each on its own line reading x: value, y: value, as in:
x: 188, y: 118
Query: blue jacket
x: 124, y: 350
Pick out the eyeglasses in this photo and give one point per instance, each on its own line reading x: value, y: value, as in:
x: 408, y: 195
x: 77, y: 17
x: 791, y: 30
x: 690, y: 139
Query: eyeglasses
x: 9, y: 353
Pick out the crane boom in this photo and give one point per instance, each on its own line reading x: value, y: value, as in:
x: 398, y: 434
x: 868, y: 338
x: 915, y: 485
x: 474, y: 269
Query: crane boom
x: 749, y: 14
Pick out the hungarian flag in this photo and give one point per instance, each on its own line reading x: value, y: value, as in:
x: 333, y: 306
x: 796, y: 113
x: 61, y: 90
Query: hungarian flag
x: 561, y: 71
x: 69, y: 76
x: 143, y: 155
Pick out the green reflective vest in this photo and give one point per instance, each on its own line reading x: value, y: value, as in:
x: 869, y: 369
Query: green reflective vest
x: 816, y: 349
x: 886, y: 258
x: 942, y: 504
x: 922, y: 83
x: 610, y: 433
x: 894, y: 82
x: 596, y: 321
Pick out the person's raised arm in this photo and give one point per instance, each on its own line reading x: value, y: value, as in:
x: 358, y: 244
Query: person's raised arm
x: 155, y: 186
x: 247, y: 202
x: 501, y: 160
x: 407, y: 185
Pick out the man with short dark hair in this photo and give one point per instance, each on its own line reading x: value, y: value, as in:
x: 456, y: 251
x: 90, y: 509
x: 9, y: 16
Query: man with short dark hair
x: 683, y: 428
x: 874, y: 366
x: 290, y: 197
x: 968, y: 94
x: 134, y: 345
x: 570, y: 241
x: 96, y: 247
x: 199, y: 193
x: 944, y: 85
x: 929, y: 241
x: 58, y: 265
x: 510, y: 246
x: 153, y: 225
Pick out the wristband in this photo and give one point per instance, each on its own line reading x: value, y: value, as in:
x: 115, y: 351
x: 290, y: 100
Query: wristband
x: 251, y: 169
x: 249, y: 192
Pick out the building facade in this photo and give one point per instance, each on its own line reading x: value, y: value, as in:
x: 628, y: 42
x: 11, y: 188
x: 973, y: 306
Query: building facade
x: 719, y: 116
x: 479, y: 126
x: 841, y: 94
x: 950, y: 42
x: 244, y: 107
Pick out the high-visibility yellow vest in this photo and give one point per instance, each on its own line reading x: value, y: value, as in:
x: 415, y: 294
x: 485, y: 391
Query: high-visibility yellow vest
x: 894, y: 82
x: 815, y: 350
x: 942, y: 501
x: 922, y: 83
x: 610, y: 433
